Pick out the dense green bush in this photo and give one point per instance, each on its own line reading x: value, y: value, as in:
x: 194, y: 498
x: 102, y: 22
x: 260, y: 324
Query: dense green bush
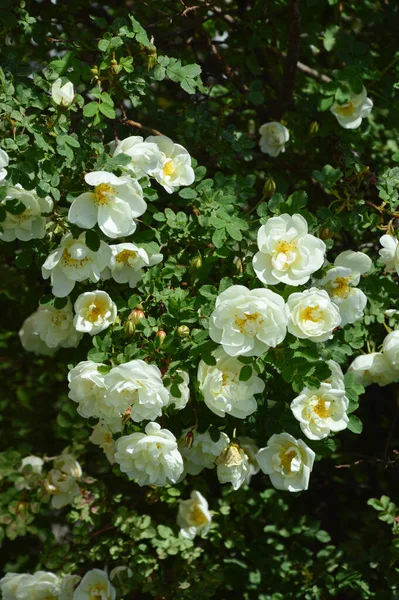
x: 208, y: 76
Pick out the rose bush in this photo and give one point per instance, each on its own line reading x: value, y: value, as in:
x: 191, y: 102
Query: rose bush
x: 198, y: 230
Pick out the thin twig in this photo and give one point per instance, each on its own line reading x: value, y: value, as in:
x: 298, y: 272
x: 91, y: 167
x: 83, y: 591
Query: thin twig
x: 136, y: 124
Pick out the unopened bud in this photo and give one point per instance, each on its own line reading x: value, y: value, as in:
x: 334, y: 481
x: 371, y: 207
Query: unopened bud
x: 189, y: 439
x: 136, y: 316
x: 183, y: 331
x: 314, y: 127
x: 160, y: 337
x: 196, y: 262
x: 129, y: 327
x: 269, y: 187
x: 238, y: 264
x: 326, y: 233
x: 114, y: 62
x: 94, y: 71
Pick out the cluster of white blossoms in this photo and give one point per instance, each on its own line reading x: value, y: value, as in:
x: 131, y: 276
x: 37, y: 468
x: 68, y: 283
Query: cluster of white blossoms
x: 95, y: 585
x: 379, y: 367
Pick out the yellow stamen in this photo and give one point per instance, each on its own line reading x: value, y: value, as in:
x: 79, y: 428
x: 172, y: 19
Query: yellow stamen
x: 197, y: 516
x: 124, y: 256
x: 102, y: 191
x: 311, y: 313
x: 346, y: 110
x: 286, y: 459
x: 340, y: 287
x: 169, y: 168
x: 284, y: 246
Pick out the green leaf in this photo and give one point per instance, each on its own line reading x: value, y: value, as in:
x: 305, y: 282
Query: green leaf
x: 355, y: 425
x: 93, y: 240
x: 219, y: 237
x: 107, y: 110
x: 91, y: 109
x: 60, y: 303
x: 245, y: 373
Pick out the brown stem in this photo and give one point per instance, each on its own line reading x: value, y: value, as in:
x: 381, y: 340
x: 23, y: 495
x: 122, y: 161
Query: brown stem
x: 136, y: 124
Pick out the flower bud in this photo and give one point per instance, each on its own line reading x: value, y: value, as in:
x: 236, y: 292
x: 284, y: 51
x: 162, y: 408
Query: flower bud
x: 189, y: 439
x: 94, y: 71
x: 136, y: 316
x: 183, y: 331
x: 314, y: 127
x: 238, y: 264
x: 129, y: 327
x: 196, y: 262
x: 160, y: 337
x: 326, y: 233
x: 269, y: 187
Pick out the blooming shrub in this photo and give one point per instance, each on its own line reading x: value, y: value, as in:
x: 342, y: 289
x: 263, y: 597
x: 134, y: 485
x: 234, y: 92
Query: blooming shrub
x: 200, y: 267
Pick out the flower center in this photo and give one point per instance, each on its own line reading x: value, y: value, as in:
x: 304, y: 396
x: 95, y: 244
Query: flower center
x: 286, y: 459
x: 95, y: 591
x: 248, y: 323
x: 102, y: 193
x: 340, y: 287
x: 75, y: 256
x: 95, y: 311
x: 322, y: 408
x: 283, y: 246
x: 125, y: 255
x: 169, y: 168
x: 108, y: 438
x: 312, y: 313
x: 346, y: 110
x: 197, y: 517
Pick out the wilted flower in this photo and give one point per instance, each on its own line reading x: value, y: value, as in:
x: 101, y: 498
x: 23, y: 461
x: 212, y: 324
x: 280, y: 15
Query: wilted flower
x: 62, y: 95
x: 151, y: 457
x: 273, y: 137
x: 114, y: 204
x: 287, y: 461
x: 233, y: 466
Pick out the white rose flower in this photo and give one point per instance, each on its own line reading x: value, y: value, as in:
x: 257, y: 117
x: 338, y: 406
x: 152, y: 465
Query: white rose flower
x: 30, y: 338
x: 33, y: 587
x: 30, y: 224
x: 194, y: 517
x: 176, y: 169
x: 201, y: 452
x: 102, y: 436
x: 151, y: 457
x: 68, y: 585
x: 251, y: 449
x: 222, y: 389
x: 337, y: 377
x: 183, y: 386
x: 36, y: 463
x: 114, y: 204
x: 287, y: 461
x: 63, y: 95
x: 233, y: 466
x: 61, y: 481
x: 373, y: 368
x: 128, y: 263
x: 390, y: 349
x: 73, y: 261
x: 9, y: 584
x: 95, y: 585
x: 341, y: 281
x: 138, y: 386
x: 4, y: 160
x: 350, y: 115
x: 146, y: 157
x: 248, y: 322
x: 390, y: 253
x: 273, y: 137
x: 320, y: 411
x: 95, y: 311
x: 312, y: 315
x: 55, y: 326
x: 287, y: 252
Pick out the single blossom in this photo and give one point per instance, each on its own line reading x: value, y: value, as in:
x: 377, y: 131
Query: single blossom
x: 287, y: 461
x: 287, y: 252
x: 373, y: 368
x: 222, y: 389
x: 30, y: 338
x: 30, y: 223
x: 95, y: 585
x: 273, y: 137
x: 55, y: 326
x: 87, y: 388
x: 340, y: 282
x: 68, y: 585
x: 146, y: 158
x: 390, y: 349
x: 176, y: 169
x: 95, y: 311
x: 151, y: 457
x: 35, y: 464
x: 114, y: 204
x: 137, y: 386
x: 63, y: 95
x: 4, y: 160
x: 128, y: 262
x: 61, y: 482
x: 389, y: 253
x: 102, y: 436
x: 200, y: 451
x: 179, y: 402
x: 312, y: 315
x: 73, y: 261
x: 350, y: 114
x: 248, y: 322
x: 320, y: 411
x: 194, y: 517
x: 233, y: 466
x: 336, y: 380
